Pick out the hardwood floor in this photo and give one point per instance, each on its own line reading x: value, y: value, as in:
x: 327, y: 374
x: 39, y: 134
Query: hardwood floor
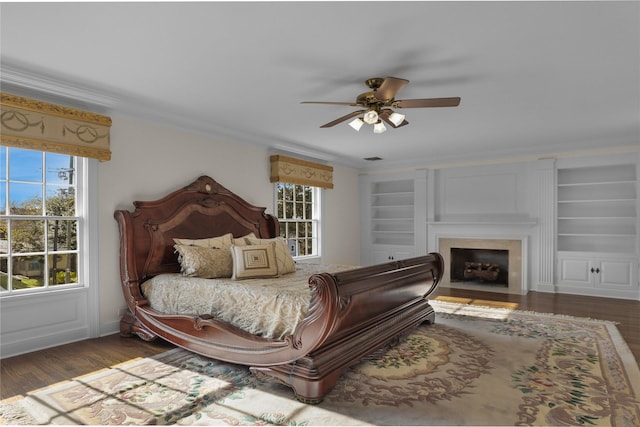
x: 32, y: 371
x: 22, y: 374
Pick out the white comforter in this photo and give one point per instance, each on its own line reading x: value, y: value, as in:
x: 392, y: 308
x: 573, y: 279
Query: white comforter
x: 270, y: 307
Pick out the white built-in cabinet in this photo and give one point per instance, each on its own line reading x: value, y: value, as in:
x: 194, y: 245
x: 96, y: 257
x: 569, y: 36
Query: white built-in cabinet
x: 393, y: 205
x: 584, y: 212
x: 597, y: 223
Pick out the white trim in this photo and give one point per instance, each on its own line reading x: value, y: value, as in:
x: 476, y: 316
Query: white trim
x: 91, y: 253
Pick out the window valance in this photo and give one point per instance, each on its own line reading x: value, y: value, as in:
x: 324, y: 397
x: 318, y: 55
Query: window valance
x: 37, y: 125
x: 302, y: 172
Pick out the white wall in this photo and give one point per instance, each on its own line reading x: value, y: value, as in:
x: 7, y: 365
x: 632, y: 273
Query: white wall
x: 148, y: 161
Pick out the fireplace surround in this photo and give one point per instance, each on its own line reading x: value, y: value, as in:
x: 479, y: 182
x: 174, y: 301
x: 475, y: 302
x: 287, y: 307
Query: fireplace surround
x: 489, y: 251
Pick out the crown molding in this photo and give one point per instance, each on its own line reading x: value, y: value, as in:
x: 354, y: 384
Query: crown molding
x: 30, y: 83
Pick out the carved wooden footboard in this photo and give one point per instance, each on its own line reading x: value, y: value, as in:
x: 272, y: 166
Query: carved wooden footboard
x: 351, y: 314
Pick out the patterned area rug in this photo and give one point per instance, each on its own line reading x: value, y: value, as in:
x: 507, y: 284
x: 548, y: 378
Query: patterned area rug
x: 475, y: 366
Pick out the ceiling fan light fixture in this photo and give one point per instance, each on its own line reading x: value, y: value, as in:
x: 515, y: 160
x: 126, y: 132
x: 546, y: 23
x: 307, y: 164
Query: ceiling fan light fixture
x: 379, y: 127
x: 396, y: 118
x: 356, y: 124
x: 370, y: 117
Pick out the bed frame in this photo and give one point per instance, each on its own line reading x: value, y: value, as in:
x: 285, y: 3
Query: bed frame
x: 352, y: 313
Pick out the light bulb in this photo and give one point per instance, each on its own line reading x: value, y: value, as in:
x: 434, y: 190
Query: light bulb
x: 370, y: 117
x: 379, y: 127
x: 356, y: 124
x: 396, y: 118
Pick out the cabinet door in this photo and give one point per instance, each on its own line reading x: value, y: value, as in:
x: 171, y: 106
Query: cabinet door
x: 387, y: 254
x: 575, y: 271
x: 380, y: 256
x: 401, y: 253
x: 619, y: 274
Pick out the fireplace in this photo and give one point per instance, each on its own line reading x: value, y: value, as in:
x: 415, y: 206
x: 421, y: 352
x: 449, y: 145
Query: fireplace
x: 482, y: 266
x: 494, y: 265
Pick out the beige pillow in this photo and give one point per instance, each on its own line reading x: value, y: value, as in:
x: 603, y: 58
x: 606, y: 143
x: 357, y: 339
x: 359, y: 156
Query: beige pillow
x: 208, y: 263
x: 285, y: 261
x: 254, y: 261
x: 220, y: 242
x: 244, y: 240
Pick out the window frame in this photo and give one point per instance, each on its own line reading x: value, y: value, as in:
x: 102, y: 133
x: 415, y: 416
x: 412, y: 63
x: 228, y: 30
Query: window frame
x: 81, y: 174
x: 315, y: 221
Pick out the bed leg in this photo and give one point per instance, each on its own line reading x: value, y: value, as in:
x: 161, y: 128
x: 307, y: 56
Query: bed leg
x: 306, y: 383
x: 431, y: 318
x: 129, y: 326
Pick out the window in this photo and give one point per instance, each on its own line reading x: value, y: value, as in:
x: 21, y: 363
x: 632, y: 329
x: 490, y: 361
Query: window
x: 298, y: 208
x: 40, y: 221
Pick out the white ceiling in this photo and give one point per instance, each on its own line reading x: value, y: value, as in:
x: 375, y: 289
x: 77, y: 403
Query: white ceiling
x: 536, y: 78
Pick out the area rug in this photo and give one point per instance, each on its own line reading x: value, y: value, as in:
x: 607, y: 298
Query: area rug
x: 474, y: 366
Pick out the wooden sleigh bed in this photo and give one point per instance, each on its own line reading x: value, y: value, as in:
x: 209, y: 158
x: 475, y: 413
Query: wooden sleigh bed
x: 351, y: 313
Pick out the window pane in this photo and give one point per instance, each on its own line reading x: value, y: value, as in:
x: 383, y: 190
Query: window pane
x: 27, y: 236
x: 299, y: 210
x: 280, y: 209
x: 28, y: 272
x: 25, y: 199
x: 3, y: 197
x: 63, y: 269
x: 308, y: 211
x: 288, y: 214
x: 288, y: 192
x: 62, y: 235
x: 291, y: 229
x: 302, y: 249
x: 4, y: 236
x: 60, y: 169
x: 61, y: 200
x: 25, y: 165
x: 299, y: 193
x: 3, y: 163
x: 4, y: 274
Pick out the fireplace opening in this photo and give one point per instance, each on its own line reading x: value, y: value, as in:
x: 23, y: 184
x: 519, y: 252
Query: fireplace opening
x: 482, y: 266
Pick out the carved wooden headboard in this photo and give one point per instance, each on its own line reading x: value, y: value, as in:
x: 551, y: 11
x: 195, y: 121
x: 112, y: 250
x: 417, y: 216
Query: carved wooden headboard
x: 200, y: 210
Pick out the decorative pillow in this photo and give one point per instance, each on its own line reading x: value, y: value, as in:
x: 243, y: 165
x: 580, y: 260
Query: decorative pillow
x: 244, y: 240
x: 208, y: 263
x: 286, y: 264
x: 220, y: 242
x: 254, y: 261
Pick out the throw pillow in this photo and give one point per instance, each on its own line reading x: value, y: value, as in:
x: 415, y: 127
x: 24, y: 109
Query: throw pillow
x: 220, y: 242
x: 254, y: 261
x: 208, y: 263
x: 286, y: 264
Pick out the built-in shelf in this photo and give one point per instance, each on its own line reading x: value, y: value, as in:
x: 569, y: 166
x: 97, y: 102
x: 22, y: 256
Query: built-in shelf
x: 597, y: 209
x: 392, y: 212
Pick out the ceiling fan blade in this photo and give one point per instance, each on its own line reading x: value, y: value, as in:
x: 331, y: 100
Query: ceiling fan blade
x: 351, y: 104
x: 431, y: 102
x: 389, y: 87
x: 342, y: 119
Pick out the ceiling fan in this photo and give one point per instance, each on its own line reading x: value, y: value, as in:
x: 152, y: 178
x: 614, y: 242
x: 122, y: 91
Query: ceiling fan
x: 378, y: 104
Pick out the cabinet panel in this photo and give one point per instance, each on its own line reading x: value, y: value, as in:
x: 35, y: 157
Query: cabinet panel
x: 575, y: 271
x: 616, y: 273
